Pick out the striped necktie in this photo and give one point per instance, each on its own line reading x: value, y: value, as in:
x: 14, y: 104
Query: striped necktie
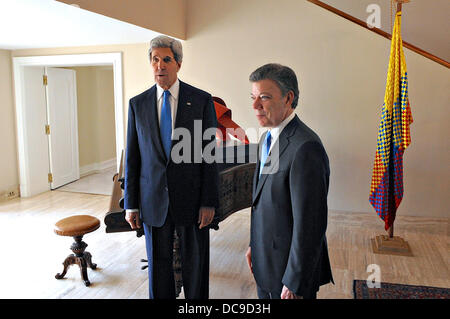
x: 166, y: 123
x: 265, y: 151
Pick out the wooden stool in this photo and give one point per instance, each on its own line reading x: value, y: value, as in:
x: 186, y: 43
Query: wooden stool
x: 77, y: 226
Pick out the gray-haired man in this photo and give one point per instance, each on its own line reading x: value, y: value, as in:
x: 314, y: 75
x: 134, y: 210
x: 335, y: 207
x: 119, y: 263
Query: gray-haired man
x: 163, y: 195
x: 288, y: 252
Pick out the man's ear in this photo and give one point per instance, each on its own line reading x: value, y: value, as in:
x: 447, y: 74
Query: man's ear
x: 179, y: 66
x: 289, y: 98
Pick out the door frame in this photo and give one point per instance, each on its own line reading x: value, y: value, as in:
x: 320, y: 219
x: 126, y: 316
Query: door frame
x: 69, y: 60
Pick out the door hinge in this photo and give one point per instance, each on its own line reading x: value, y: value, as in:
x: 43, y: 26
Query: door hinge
x: 44, y: 79
x: 47, y: 129
x: 50, y: 177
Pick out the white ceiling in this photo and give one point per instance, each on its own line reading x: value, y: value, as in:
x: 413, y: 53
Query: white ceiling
x: 48, y: 23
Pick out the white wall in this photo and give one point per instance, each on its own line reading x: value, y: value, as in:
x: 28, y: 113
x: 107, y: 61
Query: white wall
x: 8, y: 161
x: 96, y: 122
x: 342, y: 71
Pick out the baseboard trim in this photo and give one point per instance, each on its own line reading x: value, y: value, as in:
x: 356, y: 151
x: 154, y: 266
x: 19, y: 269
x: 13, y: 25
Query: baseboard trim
x: 97, y: 167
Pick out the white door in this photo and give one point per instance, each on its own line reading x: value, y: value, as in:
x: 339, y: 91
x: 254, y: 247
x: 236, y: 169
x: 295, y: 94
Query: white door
x: 34, y: 175
x: 62, y: 119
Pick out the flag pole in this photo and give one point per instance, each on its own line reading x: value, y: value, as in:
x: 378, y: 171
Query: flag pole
x: 389, y: 244
x: 399, y: 4
x: 390, y: 230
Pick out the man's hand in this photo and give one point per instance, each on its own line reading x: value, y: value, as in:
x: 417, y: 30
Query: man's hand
x: 287, y: 294
x: 133, y: 219
x: 205, y: 216
x: 248, y: 256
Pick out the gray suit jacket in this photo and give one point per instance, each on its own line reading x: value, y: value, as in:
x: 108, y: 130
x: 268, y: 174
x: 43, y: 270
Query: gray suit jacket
x: 289, y: 213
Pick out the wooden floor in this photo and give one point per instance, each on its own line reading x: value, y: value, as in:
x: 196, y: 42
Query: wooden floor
x: 32, y: 254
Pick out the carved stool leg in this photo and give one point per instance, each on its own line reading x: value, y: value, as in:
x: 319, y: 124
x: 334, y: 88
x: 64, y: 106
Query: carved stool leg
x: 83, y: 270
x: 70, y: 260
x: 81, y: 258
x: 88, y: 257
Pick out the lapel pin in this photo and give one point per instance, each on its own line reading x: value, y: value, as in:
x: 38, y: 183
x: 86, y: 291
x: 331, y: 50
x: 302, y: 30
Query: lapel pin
x: 188, y: 103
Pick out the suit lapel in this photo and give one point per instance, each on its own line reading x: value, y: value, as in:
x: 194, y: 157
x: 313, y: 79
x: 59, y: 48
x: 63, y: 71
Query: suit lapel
x: 258, y: 163
x: 275, y: 154
x: 183, y: 99
x: 151, y: 113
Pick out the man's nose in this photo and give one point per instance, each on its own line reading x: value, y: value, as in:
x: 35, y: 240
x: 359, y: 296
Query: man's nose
x: 161, y: 65
x: 256, y: 104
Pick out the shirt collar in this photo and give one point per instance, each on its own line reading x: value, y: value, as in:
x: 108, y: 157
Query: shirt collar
x: 174, y: 90
x: 276, y: 131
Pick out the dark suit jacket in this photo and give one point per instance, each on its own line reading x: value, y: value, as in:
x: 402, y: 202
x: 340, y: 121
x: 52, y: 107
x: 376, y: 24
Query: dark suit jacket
x: 157, y: 185
x: 289, y: 214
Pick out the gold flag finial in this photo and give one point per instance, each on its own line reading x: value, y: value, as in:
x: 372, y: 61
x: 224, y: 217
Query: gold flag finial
x: 399, y: 4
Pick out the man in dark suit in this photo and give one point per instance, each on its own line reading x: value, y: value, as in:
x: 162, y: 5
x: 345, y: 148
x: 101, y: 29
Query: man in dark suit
x: 288, y: 252
x: 169, y: 186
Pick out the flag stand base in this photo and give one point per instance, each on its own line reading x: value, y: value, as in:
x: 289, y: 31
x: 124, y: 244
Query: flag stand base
x: 384, y: 244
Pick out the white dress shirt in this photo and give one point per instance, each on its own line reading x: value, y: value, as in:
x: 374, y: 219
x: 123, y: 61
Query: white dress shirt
x: 276, y: 131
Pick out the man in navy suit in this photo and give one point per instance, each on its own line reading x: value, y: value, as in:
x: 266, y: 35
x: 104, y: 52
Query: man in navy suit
x: 288, y: 252
x: 169, y: 188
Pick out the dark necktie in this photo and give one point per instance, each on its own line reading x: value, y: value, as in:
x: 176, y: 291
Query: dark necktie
x: 166, y: 123
x: 265, y: 152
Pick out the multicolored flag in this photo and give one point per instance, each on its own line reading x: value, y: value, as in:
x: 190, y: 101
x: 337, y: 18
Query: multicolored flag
x: 386, y: 191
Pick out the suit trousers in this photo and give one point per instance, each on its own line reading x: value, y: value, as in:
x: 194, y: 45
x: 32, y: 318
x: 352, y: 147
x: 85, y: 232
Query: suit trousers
x: 194, y: 251
x: 276, y: 294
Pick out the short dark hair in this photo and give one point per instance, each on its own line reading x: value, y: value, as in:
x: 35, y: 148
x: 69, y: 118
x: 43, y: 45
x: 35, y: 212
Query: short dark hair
x: 283, y: 76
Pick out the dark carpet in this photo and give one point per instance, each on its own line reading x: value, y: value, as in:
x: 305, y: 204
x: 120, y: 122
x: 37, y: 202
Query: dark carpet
x: 398, y: 291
